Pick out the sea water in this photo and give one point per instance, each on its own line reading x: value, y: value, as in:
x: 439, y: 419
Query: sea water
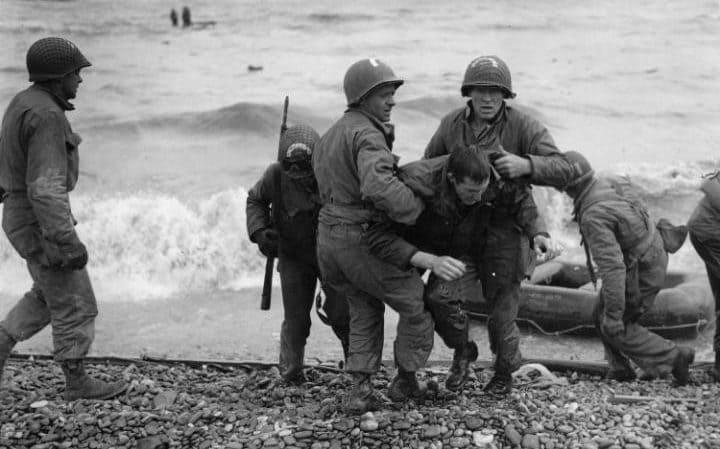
x: 176, y: 128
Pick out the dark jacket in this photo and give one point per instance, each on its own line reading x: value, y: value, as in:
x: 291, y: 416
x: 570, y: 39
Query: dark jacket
x: 278, y: 201
x: 39, y: 165
x: 355, y: 170
x: 445, y: 227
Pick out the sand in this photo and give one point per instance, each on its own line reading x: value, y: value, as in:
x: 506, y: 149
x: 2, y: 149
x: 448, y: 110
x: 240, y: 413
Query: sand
x: 230, y: 325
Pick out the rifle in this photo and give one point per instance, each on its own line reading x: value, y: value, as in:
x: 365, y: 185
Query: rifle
x: 270, y: 262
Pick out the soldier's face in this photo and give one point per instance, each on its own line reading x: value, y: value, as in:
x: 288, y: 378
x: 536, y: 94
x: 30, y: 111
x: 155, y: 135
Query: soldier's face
x: 69, y: 84
x: 486, y: 101
x: 468, y: 190
x: 380, y: 102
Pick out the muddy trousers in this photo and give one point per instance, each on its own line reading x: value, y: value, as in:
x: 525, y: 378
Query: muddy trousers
x: 298, y: 281
x: 649, y: 351
x: 446, y: 301
x: 347, y: 265
x: 704, y: 226
x: 65, y: 300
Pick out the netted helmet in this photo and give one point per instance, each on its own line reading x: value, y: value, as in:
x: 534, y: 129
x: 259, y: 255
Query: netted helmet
x: 581, y: 169
x: 366, y: 75
x: 296, y: 147
x: 53, y: 57
x: 489, y: 71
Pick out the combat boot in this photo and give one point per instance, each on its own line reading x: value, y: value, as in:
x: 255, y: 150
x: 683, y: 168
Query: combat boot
x: 405, y: 386
x: 460, y: 369
x: 78, y: 385
x: 681, y: 365
x: 361, y: 398
x: 7, y: 343
x: 500, y: 385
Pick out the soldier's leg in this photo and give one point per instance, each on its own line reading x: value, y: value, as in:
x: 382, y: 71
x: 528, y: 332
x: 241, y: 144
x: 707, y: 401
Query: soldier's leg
x: 619, y: 367
x: 654, y: 354
x: 27, y: 317
x: 71, y: 301
x: 337, y: 310
x: 297, y: 281
x: 446, y: 301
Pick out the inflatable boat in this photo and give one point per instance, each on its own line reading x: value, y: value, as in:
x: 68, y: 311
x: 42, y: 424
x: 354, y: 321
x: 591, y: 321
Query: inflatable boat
x: 560, y: 299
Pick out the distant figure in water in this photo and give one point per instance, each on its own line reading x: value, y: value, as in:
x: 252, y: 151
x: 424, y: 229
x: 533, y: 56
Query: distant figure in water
x: 38, y: 168
x: 186, y: 17
x: 174, y: 17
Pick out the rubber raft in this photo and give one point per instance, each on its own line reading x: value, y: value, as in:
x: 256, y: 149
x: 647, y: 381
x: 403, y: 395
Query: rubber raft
x: 560, y: 299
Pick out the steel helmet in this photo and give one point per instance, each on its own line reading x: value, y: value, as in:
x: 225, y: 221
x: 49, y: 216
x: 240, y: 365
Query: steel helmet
x: 366, y: 75
x: 581, y: 169
x: 298, y: 142
x: 487, y: 71
x: 53, y: 57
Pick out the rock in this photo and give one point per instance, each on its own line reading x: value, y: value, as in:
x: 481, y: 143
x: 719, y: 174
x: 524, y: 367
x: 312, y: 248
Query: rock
x: 530, y: 441
x: 432, y: 431
x: 473, y: 422
x: 459, y: 442
x: 481, y: 439
x: 165, y: 399
x: 512, y: 435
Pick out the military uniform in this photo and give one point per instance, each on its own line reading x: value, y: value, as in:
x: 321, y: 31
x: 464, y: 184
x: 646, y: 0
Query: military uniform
x: 38, y: 167
x: 354, y: 167
x: 512, y: 219
x: 294, y: 215
x: 632, y: 262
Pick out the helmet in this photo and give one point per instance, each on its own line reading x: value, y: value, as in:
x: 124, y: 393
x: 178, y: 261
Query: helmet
x: 581, y: 168
x: 297, y: 143
x: 487, y: 71
x: 366, y: 75
x: 53, y: 57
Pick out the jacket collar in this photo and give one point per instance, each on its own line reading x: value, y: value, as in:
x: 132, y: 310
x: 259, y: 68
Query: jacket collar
x: 63, y: 103
x: 388, y: 129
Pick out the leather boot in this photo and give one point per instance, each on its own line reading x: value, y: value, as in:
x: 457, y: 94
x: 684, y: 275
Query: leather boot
x: 7, y: 343
x: 500, y: 385
x: 361, y: 397
x: 460, y: 369
x: 681, y: 365
x: 78, y: 385
x: 405, y: 386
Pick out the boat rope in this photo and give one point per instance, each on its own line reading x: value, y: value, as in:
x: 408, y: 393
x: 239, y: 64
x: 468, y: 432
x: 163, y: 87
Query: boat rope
x: 698, y: 325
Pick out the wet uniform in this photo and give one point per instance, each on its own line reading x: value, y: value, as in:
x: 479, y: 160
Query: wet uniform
x: 38, y: 167
x: 294, y: 215
x: 505, y: 246
x: 354, y: 167
x: 632, y: 264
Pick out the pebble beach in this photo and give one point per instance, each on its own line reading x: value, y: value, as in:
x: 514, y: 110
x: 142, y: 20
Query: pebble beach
x: 238, y: 406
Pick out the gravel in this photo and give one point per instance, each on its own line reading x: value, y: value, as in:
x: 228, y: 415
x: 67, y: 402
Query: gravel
x: 177, y: 406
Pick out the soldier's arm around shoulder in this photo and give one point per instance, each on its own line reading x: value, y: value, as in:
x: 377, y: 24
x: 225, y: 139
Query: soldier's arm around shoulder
x: 378, y: 182
x: 549, y: 166
x: 260, y: 199
x: 49, y: 142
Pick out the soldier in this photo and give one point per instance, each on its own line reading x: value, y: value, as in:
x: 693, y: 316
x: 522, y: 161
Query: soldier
x: 354, y: 166
x: 631, y: 259
x: 289, y: 187
x: 38, y: 168
x: 453, y: 224
x: 523, y: 153
x: 703, y: 226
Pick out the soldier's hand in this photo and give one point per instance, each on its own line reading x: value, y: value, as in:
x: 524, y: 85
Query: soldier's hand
x: 447, y: 268
x: 511, y: 165
x: 546, y: 248
x: 267, y: 241
x: 612, y: 327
